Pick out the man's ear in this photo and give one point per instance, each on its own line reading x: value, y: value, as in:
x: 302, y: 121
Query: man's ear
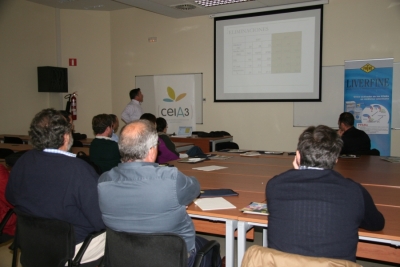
x: 67, y: 138
x: 152, y: 155
x: 298, y: 157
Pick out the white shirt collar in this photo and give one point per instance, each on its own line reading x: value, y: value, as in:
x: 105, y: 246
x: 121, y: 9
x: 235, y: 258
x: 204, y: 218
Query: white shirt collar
x: 58, y: 151
x: 103, y: 137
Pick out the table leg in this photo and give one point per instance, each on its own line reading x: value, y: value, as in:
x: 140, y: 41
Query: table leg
x: 231, y: 226
x: 242, y: 229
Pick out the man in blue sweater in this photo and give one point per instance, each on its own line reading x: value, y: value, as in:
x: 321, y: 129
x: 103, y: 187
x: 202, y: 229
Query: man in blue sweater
x: 50, y: 182
x: 315, y: 211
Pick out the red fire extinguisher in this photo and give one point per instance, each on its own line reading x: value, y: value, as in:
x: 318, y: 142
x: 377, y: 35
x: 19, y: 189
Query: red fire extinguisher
x: 71, y: 105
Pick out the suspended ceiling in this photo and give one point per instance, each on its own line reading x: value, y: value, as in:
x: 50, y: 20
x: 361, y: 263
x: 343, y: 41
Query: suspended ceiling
x: 172, y: 8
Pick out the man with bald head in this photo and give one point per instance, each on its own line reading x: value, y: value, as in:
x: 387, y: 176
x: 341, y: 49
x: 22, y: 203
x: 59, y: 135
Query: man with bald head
x: 142, y: 197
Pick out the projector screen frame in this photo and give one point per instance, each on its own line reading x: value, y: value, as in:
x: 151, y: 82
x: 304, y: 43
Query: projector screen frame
x: 261, y: 95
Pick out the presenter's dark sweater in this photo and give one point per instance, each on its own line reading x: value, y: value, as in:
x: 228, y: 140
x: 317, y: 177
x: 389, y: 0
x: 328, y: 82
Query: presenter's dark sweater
x: 104, y: 153
x: 318, y: 213
x: 59, y: 187
x: 355, y: 142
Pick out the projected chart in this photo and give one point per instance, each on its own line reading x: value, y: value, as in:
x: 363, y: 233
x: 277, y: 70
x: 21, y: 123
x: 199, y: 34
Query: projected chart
x: 265, y: 54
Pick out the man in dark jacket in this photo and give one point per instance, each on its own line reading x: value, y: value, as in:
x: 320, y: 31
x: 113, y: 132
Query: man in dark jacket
x: 50, y: 182
x: 315, y: 211
x: 104, y: 151
x: 355, y: 141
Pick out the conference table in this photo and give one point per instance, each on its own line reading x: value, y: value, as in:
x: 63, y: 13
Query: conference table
x: 249, y: 175
x: 202, y: 142
x: 180, y: 147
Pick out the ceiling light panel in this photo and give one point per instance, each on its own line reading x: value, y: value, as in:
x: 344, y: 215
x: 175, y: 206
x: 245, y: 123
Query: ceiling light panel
x: 210, y: 3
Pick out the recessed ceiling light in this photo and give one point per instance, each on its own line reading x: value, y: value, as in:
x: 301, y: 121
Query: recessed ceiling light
x: 209, y: 3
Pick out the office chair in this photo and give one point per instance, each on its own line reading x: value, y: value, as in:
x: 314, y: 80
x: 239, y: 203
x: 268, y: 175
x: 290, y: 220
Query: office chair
x: 260, y: 256
x: 374, y: 152
x: 4, y: 152
x: 12, y: 140
x: 152, y: 250
x: 3, y: 223
x: 226, y: 145
x: 46, y: 242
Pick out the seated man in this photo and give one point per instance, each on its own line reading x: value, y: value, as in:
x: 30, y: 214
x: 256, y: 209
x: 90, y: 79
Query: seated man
x: 355, y: 141
x: 50, y: 182
x: 142, y: 197
x: 315, y: 211
x: 115, y: 127
x: 104, y: 151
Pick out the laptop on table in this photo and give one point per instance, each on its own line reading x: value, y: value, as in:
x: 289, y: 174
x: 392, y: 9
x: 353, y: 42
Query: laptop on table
x: 184, y: 131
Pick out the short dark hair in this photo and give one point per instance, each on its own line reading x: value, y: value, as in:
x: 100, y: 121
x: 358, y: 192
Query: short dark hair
x: 161, y: 124
x: 101, y: 122
x: 136, y: 140
x: 48, y: 128
x: 134, y: 92
x: 319, y: 147
x: 347, y: 118
x: 149, y: 117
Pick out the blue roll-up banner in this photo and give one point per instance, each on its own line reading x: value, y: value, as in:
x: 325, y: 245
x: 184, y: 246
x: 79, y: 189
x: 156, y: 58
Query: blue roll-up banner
x: 368, y: 95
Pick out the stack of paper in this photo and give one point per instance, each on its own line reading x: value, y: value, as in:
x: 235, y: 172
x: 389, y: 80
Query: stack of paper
x: 210, y: 168
x: 220, y: 157
x: 250, y: 154
x: 215, y: 203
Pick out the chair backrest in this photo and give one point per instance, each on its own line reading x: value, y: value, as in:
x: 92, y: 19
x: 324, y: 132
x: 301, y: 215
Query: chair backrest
x: 226, y: 145
x: 259, y: 256
x: 43, y: 242
x: 12, y: 140
x: 77, y: 143
x: 4, y: 152
x: 82, y: 155
x: 4, y: 221
x: 374, y: 152
x: 139, y: 250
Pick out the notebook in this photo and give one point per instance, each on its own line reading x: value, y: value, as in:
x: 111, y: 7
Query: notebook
x: 214, y: 203
x: 184, y: 131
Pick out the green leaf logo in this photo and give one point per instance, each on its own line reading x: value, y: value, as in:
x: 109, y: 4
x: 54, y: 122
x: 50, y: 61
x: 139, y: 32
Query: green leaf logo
x: 171, y: 94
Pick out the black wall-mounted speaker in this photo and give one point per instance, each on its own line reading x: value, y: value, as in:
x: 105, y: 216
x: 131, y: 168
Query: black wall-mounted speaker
x: 52, y: 79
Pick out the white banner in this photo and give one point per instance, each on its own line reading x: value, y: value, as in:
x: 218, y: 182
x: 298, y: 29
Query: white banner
x: 175, y: 98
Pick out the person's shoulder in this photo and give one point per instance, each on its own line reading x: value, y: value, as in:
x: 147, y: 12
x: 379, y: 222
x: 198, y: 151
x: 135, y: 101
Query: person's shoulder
x: 286, y: 174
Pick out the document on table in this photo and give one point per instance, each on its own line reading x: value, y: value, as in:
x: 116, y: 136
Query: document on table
x: 210, y: 168
x: 214, y: 203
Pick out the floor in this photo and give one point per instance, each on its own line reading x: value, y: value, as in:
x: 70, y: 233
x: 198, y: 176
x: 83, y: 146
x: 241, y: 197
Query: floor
x: 6, y: 255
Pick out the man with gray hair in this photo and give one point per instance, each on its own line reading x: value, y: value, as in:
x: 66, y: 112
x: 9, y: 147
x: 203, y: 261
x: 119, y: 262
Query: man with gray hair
x: 50, y: 182
x: 142, y: 197
x: 315, y: 211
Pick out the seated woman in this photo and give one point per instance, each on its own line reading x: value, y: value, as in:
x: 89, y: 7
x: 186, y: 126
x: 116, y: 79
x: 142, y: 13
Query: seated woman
x: 166, y: 148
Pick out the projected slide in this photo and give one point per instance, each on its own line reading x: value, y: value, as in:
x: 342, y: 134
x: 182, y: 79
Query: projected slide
x: 268, y: 57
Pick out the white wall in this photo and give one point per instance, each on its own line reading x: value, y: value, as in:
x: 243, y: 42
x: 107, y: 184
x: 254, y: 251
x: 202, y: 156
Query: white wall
x: 27, y: 40
x: 112, y: 48
x: 85, y: 36
x: 354, y: 29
